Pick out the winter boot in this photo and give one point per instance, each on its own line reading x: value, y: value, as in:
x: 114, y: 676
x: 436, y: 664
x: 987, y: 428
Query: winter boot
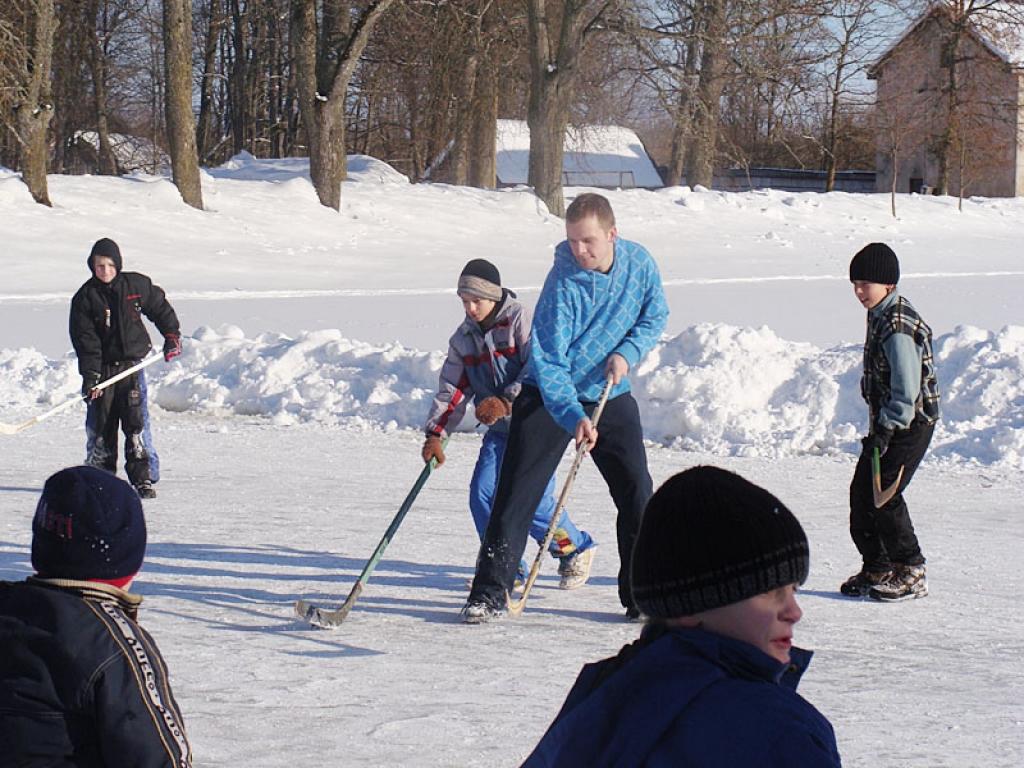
x: 861, y: 583
x: 479, y: 612
x: 575, y: 569
x: 906, y: 583
x: 146, y: 490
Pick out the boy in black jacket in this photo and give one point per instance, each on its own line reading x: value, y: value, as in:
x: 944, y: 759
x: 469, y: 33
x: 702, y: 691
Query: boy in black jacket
x: 81, y: 683
x: 902, y: 394
x: 109, y: 336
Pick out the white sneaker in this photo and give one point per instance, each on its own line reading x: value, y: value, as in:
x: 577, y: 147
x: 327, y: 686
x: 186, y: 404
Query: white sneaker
x: 575, y: 569
x: 480, y: 613
x: 908, y: 582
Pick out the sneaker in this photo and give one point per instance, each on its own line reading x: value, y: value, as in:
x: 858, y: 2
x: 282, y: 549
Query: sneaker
x: 145, y: 490
x: 861, y: 583
x: 575, y: 569
x: 907, y: 582
x: 480, y: 613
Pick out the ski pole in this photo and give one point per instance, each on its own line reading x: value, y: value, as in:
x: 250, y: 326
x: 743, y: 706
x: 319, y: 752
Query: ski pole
x: 515, y: 607
x: 881, y: 495
x: 11, y: 429
x: 321, y: 617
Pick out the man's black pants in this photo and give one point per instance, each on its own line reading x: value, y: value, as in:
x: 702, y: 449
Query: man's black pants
x: 536, y: 444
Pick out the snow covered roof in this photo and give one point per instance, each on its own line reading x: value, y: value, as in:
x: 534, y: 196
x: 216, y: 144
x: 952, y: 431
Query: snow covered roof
x: 133, y: 153
x: 595, y: 156
x: 994, y: 29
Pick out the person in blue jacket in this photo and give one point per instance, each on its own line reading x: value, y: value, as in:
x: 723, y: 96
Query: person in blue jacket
x: 712, y: 679
x: 602, y: 308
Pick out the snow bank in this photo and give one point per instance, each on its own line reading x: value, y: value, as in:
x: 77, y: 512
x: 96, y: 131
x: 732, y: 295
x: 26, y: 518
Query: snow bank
x: 713, y: 388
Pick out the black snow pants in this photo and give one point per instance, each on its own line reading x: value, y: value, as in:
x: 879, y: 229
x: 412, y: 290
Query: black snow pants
x: 885, y: 536
x: 121, y: 404
x: 536, y: 444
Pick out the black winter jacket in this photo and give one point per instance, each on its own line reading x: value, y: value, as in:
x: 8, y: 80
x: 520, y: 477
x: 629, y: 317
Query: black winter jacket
x: 106, y: 320
x: 81, y: 683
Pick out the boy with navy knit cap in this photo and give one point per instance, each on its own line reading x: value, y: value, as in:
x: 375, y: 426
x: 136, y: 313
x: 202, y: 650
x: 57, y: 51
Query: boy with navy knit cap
x: 81, y: 682
x: 902, y: 394
x: 601, y: 310
x: 712, y: 679
x: 109, y: 336
x: 486, y: 360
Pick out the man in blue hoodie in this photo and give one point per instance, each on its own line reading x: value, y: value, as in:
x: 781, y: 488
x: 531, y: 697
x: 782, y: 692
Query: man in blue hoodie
x: 601, y: 310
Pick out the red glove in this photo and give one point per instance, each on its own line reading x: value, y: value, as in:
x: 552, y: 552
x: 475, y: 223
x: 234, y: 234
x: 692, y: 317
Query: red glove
x: 172, y: 346
x: 432, y: 450
x: 491, y: 409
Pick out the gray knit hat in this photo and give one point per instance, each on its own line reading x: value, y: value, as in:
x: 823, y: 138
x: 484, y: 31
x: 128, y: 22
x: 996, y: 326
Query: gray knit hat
x: 481, y: 280
x: 711, y: 538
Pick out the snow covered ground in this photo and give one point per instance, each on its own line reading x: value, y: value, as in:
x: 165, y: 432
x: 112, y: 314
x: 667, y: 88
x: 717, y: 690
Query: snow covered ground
x: 289, y: 436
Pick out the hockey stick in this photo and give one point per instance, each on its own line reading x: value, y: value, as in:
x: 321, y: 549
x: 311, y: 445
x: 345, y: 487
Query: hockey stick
x: 515, y: 607
x: 12, y: 429
x: 326, y: 619
x: 882, y: 496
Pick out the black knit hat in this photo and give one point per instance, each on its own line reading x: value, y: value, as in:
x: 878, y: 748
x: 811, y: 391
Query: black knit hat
x: 711, y: 538
x: 481, y: 279
x: 875, y: 263
x: 106, y: 247
x: 88, y: 525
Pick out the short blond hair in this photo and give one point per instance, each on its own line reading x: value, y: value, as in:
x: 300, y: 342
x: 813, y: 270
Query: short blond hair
x: 591, y: 204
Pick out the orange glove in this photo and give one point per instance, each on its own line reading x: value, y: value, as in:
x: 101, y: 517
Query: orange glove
x: 491, y: 409
x: 432, y: 450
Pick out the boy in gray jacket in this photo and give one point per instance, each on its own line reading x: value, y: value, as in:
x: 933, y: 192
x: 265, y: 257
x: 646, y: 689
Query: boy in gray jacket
x: 487, y: 356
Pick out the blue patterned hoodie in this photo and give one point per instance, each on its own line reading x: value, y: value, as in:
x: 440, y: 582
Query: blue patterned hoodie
x: 582, y: 317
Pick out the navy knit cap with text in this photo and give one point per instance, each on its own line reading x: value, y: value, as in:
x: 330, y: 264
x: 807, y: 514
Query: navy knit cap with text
x: 875, y: 263
x: 88, y: 525
x: 710, y: 538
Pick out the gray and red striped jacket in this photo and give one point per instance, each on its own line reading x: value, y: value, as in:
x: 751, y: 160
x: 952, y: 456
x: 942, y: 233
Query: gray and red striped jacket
x: 481, y: 364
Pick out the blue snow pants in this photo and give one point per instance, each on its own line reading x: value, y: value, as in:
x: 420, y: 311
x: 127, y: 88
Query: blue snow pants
x: 568, y: 539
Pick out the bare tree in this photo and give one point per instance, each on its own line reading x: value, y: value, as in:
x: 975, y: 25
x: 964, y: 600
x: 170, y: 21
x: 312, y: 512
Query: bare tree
x: 181, y: 124
x: 27, y: 29
x: 557, y: 40
x: 326, y: 55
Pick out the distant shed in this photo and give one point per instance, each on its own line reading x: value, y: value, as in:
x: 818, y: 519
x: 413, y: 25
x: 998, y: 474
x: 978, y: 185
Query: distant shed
x: 606, y: 156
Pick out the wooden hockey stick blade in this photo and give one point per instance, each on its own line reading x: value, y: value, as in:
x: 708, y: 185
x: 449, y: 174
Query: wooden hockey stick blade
x: 883, y: 495
x: 515, y: 607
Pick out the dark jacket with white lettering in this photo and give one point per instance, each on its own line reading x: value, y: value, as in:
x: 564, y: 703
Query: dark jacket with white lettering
x: 81, y: 683
x: 106, y: 320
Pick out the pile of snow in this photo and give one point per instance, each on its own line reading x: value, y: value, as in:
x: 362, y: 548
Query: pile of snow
x: 714, y: 388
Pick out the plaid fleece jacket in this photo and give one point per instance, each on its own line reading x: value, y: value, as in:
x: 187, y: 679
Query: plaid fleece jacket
x: 582, y: 317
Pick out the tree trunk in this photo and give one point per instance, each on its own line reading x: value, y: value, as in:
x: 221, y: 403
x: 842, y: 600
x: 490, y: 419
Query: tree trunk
x: 205, y: 138
x: 682, y: 124
x: 459, y: 155
x: 946, y: 139
x: 701, y: 162
x: 322, y: 102
x: 552, y: 77
x: 181, y: 125
x: 32, y: 116
x: 98, y: 70
x: 483, y: 162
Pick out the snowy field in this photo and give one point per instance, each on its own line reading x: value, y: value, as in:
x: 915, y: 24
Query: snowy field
x: 288, y: 434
